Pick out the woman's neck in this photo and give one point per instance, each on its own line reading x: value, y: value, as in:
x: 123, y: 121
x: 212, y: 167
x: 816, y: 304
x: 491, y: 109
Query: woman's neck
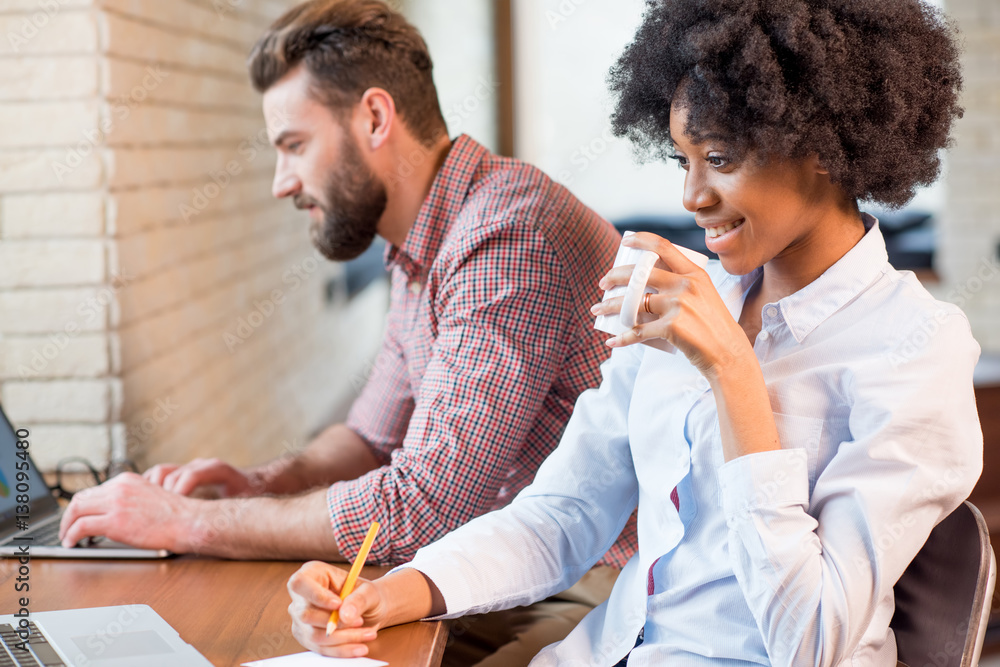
x: 803, y: 262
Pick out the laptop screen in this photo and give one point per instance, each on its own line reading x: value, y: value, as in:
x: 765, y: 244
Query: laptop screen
x: 42, y: 502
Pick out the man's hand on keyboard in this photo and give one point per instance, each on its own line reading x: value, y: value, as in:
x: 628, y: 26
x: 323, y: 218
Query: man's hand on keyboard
x: 194, y: 476
x: 130, y: 510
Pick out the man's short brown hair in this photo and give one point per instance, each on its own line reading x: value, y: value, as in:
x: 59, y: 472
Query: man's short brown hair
x: 349, y: 46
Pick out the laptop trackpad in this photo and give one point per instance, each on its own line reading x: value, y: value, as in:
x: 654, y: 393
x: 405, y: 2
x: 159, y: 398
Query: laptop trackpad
x: 124, y: 645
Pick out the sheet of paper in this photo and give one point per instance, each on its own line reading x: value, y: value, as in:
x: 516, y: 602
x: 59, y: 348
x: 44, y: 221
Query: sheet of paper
x: 309, y: 659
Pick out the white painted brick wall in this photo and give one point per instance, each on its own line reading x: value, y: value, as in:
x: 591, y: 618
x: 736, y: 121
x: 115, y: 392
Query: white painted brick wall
x: 58, y: 401
x: 125, y: 257
x: 52, y: 262
x: 38, y: 78
x: 55, y: 355
x: 72, y: 30
x: 62, y: 215
x: 29, y: 124
x: 42, y: 311
x: 50, y: 170
x: 196, y: 244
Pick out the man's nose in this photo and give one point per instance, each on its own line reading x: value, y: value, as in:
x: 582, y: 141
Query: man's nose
x: 286, y: 183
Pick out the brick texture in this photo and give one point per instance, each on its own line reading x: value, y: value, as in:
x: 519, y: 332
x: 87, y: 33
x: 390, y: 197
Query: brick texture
x: 155, y: 301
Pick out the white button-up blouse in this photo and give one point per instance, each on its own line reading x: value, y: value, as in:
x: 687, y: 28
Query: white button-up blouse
x: 776, y: 558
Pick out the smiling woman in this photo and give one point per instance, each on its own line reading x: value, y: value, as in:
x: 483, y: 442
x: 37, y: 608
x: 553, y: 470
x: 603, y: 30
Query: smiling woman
x: 774, y: 458
x: 783, y: 212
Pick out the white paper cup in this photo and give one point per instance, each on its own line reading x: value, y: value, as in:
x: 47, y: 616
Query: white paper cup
x: 635, y: 291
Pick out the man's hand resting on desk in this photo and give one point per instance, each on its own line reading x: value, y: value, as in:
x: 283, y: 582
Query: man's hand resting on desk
x: 401, y: 597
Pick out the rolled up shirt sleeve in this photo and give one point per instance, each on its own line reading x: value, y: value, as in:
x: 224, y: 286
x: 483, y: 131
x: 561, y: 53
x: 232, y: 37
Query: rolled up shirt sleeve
x: 814, y: 568
x: 501, y: 335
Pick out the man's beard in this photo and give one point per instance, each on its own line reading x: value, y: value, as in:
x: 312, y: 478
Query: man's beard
x: 356, y: 201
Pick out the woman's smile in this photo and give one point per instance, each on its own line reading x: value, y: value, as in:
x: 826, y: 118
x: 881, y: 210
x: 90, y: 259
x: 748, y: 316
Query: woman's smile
x: 719, y: 238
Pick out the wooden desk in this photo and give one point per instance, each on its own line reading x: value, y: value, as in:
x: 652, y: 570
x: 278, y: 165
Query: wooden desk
x: 232, y: 612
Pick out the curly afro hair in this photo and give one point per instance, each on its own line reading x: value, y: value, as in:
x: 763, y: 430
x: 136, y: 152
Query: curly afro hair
x: 871, y: 86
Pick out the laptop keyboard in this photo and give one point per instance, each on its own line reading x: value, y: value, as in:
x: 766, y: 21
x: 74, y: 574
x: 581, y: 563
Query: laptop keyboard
x: 41, y: 653
x: 46, y: 535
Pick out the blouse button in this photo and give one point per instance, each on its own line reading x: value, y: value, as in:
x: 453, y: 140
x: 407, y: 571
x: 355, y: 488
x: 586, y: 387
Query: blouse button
x: 772, y: 311
x: 763, y: 335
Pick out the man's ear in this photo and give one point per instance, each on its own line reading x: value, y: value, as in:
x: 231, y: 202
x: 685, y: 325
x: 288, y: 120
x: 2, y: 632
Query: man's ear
x: 378, y: 112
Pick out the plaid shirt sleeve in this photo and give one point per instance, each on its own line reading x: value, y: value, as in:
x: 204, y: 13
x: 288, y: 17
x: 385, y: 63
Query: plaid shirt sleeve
x: 381, y: 414
x: 502, y: 311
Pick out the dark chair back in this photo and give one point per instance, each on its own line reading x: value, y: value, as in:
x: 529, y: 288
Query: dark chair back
x: 943, y: 597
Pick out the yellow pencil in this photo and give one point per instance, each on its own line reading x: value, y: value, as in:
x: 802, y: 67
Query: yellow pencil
x: 352, y: 576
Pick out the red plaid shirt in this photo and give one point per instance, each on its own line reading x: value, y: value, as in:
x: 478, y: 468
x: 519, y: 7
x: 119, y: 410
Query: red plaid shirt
x: 488, y: 343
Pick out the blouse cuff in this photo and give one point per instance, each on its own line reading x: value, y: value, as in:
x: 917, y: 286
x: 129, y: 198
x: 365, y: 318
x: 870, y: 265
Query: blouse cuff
x: 763, y: 480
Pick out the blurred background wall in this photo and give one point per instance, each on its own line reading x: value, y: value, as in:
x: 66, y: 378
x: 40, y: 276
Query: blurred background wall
x: 968, y: 258
x: 157, y: 303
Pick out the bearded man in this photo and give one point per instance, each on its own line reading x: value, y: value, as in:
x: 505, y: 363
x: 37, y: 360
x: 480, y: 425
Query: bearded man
x: 489, y: 338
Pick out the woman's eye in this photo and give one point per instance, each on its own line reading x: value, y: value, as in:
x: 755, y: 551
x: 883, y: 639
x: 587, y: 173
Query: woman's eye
x: 681, y: 161
x: 717, y: 161
x: 294, y: 147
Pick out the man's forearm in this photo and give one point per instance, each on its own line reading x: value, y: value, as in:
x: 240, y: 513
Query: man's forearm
x: 337, y: 454
x: 292, y: 528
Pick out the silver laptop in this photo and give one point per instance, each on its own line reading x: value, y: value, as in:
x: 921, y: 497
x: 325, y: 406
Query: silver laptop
x: 39, y: 528
x: 122, y: 636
